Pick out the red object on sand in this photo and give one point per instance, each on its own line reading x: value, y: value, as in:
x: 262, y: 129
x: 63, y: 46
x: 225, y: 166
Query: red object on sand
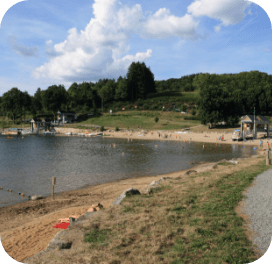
x: 61, y: 225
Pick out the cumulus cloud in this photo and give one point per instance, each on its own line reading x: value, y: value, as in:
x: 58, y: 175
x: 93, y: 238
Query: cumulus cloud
x: 163, y: 24
x: 23, y: 50
x: 99, y: 50
x: 229, y: 12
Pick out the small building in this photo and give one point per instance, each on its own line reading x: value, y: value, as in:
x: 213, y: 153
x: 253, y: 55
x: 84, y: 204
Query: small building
x: 35, y: 123
x: 66, y: 116
x: 261, y: 124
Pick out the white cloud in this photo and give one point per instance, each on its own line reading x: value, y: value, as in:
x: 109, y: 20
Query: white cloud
x: 229, y: 12
x: 23, y: 50
x: 163, y: 24
x: 48, y: 42
x: 99, y: 50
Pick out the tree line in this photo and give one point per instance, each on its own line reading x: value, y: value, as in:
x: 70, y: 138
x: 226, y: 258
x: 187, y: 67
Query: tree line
x: 221, y: 97
x: 226, y: 97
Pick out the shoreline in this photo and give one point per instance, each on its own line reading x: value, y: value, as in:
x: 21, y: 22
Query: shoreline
x: 173, y: 135
x: 30, y: 223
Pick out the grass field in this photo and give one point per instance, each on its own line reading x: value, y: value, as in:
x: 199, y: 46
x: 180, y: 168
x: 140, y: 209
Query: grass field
x: 185, y: 220
x: 143, y: 119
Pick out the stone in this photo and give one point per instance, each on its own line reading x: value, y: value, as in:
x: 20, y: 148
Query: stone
x: 190, y: 172
x: 131, y: 191
x: 147, y: 189
x: 36, y: 197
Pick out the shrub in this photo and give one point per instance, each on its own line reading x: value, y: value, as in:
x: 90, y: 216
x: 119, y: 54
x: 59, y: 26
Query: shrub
x: 102, y: 128
x: 156, y: 119
x: 117, y: 128
x: 193, y: 112
x: 146, y: 106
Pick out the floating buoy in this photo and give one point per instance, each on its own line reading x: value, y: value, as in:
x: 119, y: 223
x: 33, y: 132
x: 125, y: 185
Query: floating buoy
x: 19, y: 193
x: 156, y: 145
x: 10, y: 190
x: 123, y: 153
x: 23, y: 194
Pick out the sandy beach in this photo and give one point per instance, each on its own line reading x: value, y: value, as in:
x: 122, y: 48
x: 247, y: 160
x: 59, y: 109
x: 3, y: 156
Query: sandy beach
x: 26, y: 228
x: 209, y: 137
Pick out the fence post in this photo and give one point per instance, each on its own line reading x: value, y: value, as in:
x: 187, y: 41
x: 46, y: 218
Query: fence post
x: 53, y: 185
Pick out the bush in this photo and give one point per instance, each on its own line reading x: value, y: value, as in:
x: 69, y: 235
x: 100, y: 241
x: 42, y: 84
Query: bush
x: 146, y: 106
x: 156, y: 119
x: 117, y: 128
x: 193, y: 112
x: 102, y: 128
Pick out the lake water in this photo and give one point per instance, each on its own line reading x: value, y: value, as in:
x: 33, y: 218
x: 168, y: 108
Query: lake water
x: 28, y: 163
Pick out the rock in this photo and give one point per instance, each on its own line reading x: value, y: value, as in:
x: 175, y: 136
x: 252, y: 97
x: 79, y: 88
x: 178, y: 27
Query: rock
x: 36, y: 197
x: 189, y: 172
x: 147, y: 189
x: 234, y: 161
x: 131, y: 191
x: 57, y: 244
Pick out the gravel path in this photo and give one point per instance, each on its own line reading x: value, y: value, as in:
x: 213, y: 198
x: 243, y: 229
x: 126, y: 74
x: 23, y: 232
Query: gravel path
x: 258, y: 206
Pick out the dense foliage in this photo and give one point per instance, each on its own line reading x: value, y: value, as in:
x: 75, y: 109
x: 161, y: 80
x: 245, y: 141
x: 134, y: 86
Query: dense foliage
x: 218, y: 98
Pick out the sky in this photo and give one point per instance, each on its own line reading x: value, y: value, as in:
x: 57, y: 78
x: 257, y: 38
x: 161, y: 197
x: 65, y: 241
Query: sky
x: 45, y: 42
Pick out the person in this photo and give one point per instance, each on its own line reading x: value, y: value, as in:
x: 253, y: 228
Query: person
x: 261, y: 143
x: 222, y: 138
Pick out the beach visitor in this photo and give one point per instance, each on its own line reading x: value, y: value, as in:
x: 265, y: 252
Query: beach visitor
x: 261, y: 143
x: 222, y: 138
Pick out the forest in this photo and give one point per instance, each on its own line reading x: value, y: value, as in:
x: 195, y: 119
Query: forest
x: 218, y: 97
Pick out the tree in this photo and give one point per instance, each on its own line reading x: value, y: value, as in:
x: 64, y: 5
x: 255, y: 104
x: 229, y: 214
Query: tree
x: 74, y: 95
x: 27, y: 103
x: 140, y: 81
x: 121, y: 92
x: 13, y: 101
x: 156, y: 119
x: 37, y: 101
x: 54, y: 97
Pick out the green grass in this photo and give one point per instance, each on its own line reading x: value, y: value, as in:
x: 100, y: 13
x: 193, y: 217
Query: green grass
x: 144, y: 119
x: 175, y: 224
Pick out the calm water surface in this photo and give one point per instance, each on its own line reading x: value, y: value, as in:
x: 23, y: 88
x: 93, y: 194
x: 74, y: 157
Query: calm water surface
x: 27, y: 164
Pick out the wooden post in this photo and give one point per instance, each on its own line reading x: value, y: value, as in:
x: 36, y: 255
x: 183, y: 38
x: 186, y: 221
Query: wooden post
x: 53, y: 185
x: 268, y: 160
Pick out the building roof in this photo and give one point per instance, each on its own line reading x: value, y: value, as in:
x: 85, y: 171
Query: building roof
x: 258, y: 119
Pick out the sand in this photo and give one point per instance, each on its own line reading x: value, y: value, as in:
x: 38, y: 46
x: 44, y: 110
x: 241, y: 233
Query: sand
x: 27, y: 228
x: 209, y: 137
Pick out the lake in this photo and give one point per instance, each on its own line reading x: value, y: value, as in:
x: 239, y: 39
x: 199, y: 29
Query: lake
x: 28, y: 163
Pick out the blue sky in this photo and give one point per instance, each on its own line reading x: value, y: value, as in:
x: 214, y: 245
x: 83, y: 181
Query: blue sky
x: 45, y: 42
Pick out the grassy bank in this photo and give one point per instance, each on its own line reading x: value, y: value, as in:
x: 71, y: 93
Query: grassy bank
x: 184, y: 221
x: 135, y: 119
